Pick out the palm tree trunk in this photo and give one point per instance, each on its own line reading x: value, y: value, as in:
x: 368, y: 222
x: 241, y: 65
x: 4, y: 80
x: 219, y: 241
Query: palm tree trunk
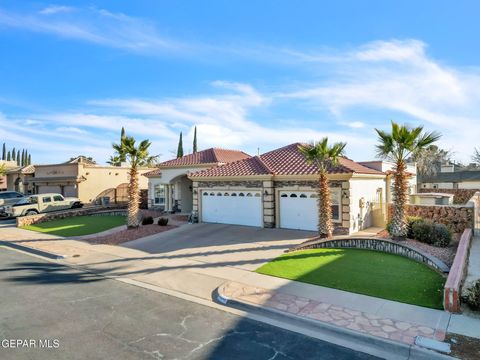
x: 325, y: 226
x: 133, y: 220
x: 400, y: 194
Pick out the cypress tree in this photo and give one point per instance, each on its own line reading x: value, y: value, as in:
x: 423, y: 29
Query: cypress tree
x: 4, y: 152
x: 26, y: 157
x: 29, y: 162
x: 22, y: 162
x: 9, y: 157
x: 14, y: 155
x: 18, y: 157
x: 195, y: 140
x: 180, y: 147
x: 122, y: 157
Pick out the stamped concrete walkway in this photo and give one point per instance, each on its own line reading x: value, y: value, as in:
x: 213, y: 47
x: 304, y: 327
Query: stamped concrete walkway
x: 398, y: 325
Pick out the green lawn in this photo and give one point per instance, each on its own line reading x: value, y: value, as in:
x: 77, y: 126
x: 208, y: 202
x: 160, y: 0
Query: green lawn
x: 383, y: 275
x: 78, y: 225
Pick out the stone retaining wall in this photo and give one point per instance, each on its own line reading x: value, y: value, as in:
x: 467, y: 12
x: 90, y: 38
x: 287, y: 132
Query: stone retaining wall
x: 460, y: 196
x: 39, y: 218
x: 453, y: 286
x: 456, y: 217
x: 382, y: 245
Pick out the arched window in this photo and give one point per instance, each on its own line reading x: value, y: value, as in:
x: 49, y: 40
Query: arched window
x: 284, y: 195
x: 234, y: 194
x: 205, y: 194
x: 241, y: 194
x: 249, y: 195
x: 257, y: 194
x: 303, y: 196
x: 293, y: 195
x: 219, y: 194
x: 212, y: 194
x: 313, y: 195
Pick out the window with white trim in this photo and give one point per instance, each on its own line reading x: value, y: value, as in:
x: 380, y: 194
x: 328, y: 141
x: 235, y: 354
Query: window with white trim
x: 336, y: 197
x: 159, y: 194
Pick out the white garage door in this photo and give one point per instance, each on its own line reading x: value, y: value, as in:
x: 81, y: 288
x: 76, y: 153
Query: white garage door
x: 298, y: 210
x: 232, y: 207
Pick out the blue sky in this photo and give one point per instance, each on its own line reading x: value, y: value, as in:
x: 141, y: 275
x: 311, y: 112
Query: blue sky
x: 249, y: 74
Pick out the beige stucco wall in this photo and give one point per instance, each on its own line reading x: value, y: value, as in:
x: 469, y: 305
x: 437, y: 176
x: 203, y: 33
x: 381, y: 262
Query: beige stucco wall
x: 469, y: 185
x: 101, y: 178
x: 365, y: 189
x: 56, y: 170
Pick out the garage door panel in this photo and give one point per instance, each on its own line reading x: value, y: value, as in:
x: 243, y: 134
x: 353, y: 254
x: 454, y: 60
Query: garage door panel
x: 298, y: 210
x: 222, y: 207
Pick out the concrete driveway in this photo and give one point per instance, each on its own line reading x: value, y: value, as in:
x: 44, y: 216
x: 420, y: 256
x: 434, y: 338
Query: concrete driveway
x: 219, y: 245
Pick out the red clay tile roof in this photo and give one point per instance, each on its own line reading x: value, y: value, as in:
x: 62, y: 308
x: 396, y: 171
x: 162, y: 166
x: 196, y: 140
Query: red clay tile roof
x: 208, y: 156
x: 284, y: 161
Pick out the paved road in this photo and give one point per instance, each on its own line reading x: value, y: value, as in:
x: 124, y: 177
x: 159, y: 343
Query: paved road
x: 95, y: 318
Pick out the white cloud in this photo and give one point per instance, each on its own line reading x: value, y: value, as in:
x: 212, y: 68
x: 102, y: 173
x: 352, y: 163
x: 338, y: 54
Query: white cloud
x: 93, y: 25
x: 56, y: 9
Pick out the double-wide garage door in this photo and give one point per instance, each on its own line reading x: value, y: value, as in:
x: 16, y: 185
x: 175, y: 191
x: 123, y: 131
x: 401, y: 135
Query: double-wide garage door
x: 232, y: 207
x: 298, y: 210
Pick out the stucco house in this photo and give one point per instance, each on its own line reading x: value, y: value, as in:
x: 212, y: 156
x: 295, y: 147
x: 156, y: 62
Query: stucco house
x: 169, y: 186
x: 78, y: 177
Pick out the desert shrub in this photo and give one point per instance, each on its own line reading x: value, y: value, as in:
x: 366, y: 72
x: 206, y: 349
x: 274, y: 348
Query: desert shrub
x: 410, y: 221
x: 423, y: 231
x: 442, y: 235
x: 147, y: 220
x: 430, y: 233
x: 471, y: 296
x: 163, y: 221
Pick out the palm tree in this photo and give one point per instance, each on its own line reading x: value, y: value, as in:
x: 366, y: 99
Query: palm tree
x: 397, y: 146
x: 324, y: 156
x: 136, y: 156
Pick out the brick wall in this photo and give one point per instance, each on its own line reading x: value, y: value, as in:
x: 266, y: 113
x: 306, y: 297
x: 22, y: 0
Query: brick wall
x: 452, y: 289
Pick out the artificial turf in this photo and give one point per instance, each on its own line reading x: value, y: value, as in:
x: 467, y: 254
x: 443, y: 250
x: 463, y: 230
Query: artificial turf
x: 373, y: 273
x: 78, y: 225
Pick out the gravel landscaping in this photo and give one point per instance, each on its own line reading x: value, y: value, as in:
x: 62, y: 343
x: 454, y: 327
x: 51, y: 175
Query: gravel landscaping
x: 446, y: 254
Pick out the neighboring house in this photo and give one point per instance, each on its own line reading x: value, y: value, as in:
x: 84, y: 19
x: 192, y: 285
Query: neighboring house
x: 279, y: 189
x: 19, y: 179
x: 170, y: 188
x: 463, y: 179
x: 387, y: 168
x: 79, y: 177
x: 3, y: 179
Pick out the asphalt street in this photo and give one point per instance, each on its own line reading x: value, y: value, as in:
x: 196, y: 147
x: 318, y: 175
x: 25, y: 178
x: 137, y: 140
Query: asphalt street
x: 50, y: 311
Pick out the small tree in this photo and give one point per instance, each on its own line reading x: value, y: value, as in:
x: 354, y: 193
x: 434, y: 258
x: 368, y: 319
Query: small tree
x: 195, y: 140
x: 18, y: 157
x: 29, y: 159
x: 136, y: 156
x: 476, y: 156
x: 9, y: 156
x: 324, y: 156
x: 397, y: 146
x: 4, y: 152
x: 180, y: 147
x: 14, y: 155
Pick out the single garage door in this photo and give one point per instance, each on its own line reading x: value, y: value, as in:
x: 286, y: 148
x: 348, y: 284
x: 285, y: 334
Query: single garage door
x: 298, y: 210
x: 232, y: 207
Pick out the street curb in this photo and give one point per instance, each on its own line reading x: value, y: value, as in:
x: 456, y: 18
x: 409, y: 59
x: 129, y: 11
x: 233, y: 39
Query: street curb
x: 385, y: 348
x: 31, y: 250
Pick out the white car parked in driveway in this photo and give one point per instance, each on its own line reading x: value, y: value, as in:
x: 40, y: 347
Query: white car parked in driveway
x: 41, y: 203
x: 10, y: 197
